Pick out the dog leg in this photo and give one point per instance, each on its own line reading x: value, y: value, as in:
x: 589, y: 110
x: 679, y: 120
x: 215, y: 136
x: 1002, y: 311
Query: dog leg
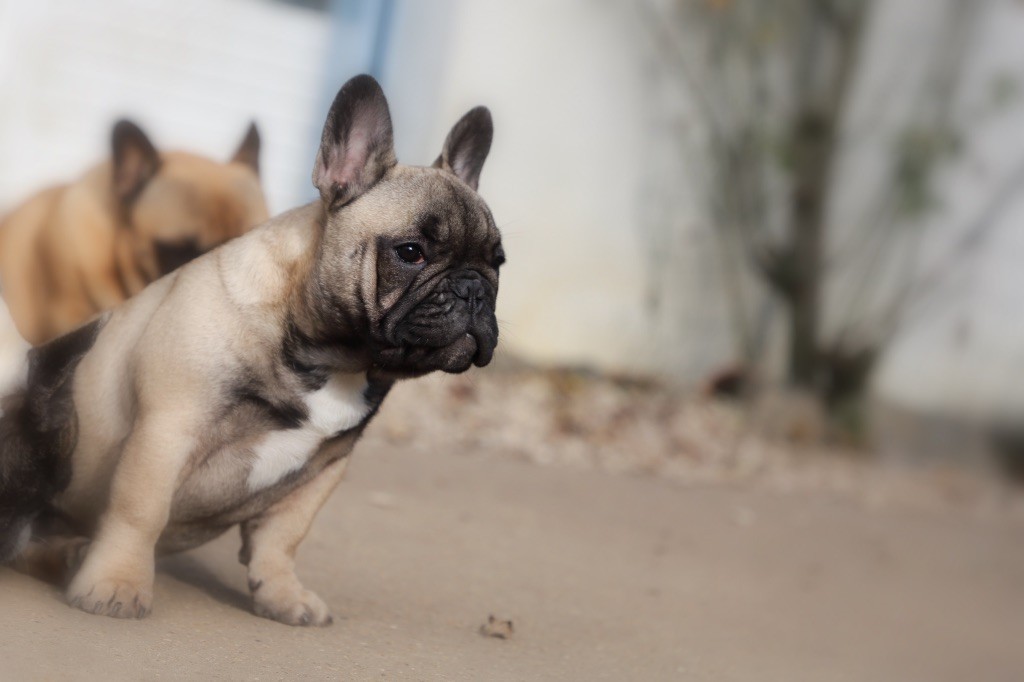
x: 269, y: 542
x: 116, y: 578
x: 52, y: 559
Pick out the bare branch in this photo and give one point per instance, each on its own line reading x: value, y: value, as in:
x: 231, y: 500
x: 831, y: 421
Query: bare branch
x: 659, y: 28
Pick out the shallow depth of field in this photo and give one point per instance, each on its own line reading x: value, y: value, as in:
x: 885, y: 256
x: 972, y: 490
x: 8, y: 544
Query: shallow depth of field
x: 758, y: 406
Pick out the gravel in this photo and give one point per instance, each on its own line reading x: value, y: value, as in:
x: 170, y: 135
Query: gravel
x: 577, y: 419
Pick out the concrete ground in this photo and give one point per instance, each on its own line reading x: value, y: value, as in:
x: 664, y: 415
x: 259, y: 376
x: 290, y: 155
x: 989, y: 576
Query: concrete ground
x: 617, y: 578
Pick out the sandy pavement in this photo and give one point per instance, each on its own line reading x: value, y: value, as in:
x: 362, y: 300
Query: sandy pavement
x: 618, y: 578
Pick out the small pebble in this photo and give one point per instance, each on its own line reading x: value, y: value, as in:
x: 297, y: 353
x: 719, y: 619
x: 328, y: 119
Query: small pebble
x: 497, y: 627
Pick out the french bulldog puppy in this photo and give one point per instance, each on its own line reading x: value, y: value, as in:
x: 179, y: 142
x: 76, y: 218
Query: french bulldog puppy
x: 232, y: 391
x: 75, y: 250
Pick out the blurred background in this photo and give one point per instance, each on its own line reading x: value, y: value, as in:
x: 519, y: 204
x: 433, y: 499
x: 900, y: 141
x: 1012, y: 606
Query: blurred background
x: 775, y: 243
x: 812, y: 206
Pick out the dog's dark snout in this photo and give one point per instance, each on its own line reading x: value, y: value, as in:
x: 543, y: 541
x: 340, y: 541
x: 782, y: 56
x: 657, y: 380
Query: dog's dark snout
x: 470, y: 288
x: 455, y: 326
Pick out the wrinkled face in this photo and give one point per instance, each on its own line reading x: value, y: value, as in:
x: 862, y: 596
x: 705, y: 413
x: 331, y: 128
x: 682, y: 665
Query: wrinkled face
x: 177, y: 206
x: 431, y: 255
x: 191, y: 206
x: 408, y: 254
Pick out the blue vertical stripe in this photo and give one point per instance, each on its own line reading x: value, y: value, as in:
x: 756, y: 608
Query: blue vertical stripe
x: 385, y: 20
x: 360, y: 32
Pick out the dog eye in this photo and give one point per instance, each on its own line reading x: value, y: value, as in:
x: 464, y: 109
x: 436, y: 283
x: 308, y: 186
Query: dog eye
x: 410, y: 253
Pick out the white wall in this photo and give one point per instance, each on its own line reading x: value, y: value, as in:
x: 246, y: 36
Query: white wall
x: 565, y: 173
x: 193, y: 73
x: 964, y: 351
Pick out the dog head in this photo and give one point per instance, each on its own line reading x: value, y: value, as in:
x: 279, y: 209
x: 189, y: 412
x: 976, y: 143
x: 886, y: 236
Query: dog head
x: 176, y: 206
x: 408, y: 256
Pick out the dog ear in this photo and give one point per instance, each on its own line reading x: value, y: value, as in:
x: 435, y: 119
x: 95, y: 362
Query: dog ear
x: 136, y: 160
x: 467, y: 145
x: 357, y: 146
x: 249, y: 151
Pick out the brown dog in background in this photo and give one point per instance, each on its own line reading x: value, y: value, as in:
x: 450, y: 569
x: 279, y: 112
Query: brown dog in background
x: 74, y: 250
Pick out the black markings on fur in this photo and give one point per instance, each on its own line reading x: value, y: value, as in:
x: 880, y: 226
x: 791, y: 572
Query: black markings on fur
x: 430, y: 227
x: 38, y: 433
x: 250, y: 389
x: 285, y: 415
x: 375, y: 392
x: 313, y: 359
x: 297, y: 351
x: 172, y: 255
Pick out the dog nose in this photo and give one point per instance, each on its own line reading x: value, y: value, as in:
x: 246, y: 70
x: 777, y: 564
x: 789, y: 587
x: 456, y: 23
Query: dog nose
x: 470, y: 288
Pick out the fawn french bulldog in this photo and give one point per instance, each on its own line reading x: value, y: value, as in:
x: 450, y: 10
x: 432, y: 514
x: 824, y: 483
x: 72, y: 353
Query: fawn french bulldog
x: 231, y: 391
x: 72, y: 251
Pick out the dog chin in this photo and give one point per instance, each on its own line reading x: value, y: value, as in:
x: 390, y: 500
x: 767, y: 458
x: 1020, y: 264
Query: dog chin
x: 455, y: 358
x: 459, y: 356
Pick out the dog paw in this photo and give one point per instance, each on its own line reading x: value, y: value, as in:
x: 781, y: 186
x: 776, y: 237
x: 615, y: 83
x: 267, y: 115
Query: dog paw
x: 290, y: 604
x: 111, y: 597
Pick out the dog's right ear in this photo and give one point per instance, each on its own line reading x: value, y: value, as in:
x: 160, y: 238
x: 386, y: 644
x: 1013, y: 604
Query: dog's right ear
x: 357, y: 146
x: 249, y: 151
x: 467, y: 145
x: 136, y: 160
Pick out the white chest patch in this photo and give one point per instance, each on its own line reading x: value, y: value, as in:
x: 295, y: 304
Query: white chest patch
x: 338, y: 406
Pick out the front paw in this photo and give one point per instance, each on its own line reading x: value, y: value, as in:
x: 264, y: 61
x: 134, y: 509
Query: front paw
x: 117, y: 598
x: 286, y: 601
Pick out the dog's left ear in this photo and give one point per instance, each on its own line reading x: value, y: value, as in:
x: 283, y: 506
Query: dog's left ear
x: 357, y: 147
x: 249, y: 151
x: 467, y: 145
x: 136, y: 160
